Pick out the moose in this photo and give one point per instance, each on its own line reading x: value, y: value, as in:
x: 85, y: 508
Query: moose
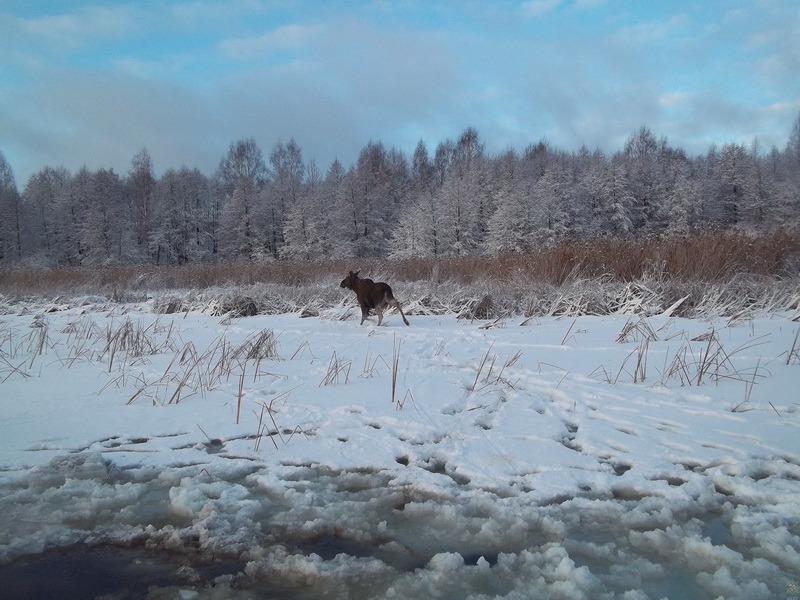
x: 371, y: 295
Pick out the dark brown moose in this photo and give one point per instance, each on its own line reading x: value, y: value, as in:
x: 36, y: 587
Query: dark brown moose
x: 371, y: 295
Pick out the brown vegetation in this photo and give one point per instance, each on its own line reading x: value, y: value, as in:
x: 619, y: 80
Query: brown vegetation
x: 715, y: 257
x: 709, y: 257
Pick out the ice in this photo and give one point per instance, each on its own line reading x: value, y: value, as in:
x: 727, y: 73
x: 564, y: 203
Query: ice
x: 439, y: 460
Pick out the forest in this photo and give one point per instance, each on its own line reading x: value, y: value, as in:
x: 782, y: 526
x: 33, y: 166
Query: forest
x: 452, y: 201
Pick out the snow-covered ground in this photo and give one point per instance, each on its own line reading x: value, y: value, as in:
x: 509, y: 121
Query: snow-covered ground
x: 596, y: 457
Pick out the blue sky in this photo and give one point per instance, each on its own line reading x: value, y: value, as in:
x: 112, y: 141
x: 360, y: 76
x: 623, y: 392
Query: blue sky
x: 92, y: 82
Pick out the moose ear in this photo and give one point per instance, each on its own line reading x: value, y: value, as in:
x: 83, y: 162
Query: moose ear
x: 357, y: 272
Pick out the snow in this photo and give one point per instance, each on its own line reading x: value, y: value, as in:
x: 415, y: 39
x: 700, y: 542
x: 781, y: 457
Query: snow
x: 594, y: 457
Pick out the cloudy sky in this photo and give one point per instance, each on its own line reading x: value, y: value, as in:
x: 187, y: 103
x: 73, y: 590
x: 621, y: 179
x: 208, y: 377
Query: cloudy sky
x: 92, y: 82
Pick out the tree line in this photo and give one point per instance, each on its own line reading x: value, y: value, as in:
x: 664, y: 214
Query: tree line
x: 456, y: 200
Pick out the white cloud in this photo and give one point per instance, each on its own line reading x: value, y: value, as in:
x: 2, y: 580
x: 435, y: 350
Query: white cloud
x: 288, y: 37
x: 82, y: 26
x: 671, y: 99
x: 649, y: 32
x: 195, y: 14
x: 537, y: 8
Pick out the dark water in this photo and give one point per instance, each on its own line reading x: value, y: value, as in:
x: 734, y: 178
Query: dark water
x: 82, y: 572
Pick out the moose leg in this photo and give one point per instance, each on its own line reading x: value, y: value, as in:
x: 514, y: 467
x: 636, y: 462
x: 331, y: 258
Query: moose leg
x: 396, y: 304
x: 379, y: 312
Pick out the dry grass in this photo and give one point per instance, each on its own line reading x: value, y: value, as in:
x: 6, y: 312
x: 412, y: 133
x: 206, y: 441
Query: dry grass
x: 716, y: 256
x: 697, y: 361
x: 718, y: 273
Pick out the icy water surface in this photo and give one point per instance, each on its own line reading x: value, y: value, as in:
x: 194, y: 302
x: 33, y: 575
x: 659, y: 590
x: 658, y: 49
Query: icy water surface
x: 81, y: 572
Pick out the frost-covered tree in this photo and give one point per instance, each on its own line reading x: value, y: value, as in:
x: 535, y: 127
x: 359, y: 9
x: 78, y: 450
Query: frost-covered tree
x: 243, y: 173
x: 671, y: 164
x: 280, y: 194
x: 238, y: 224
x: 443, y: 161
x: 181, y: 207
x: 408, y: 235
x: 199, y: 201
x: 464, y: 198
x: 735, y: 189
x: 422, y: 169
x: 591, y: 197
x: 333, y: 224
x: 417, y: 231
x: 46, y: 200
x: 367, y: 199
x: 455, y: 201
x: 141, y: 184
x: 399, y: 180
x: 618, y: 200
x: 552, y: 206
x: 757, y: 205
x: 645, y: 185
x: 535, y: 159
x: 10, y: 215
x: 244, y: 162
x: 681, y: 204
x: 783, y: 186
x: 705, y: 169
x: 288, y: 171
x: 468, y: 149
x: 459, y: 212
x: 165, y: 237
x: 306, y: 229
x: 793, y: 150
x: 348, y: 214
x: 106, y: 235
x: 510, y: 226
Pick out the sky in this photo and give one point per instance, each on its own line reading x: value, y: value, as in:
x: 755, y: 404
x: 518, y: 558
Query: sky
x: 90, y: 82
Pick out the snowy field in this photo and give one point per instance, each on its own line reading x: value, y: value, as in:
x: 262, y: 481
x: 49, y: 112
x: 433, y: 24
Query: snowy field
x: 288, y: 457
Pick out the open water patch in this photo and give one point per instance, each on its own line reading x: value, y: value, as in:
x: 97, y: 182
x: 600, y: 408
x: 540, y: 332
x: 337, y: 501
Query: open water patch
x: 79, y: 572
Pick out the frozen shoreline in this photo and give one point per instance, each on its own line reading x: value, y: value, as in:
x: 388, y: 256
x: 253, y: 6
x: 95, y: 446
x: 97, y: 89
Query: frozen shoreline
x: 513, y: 460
